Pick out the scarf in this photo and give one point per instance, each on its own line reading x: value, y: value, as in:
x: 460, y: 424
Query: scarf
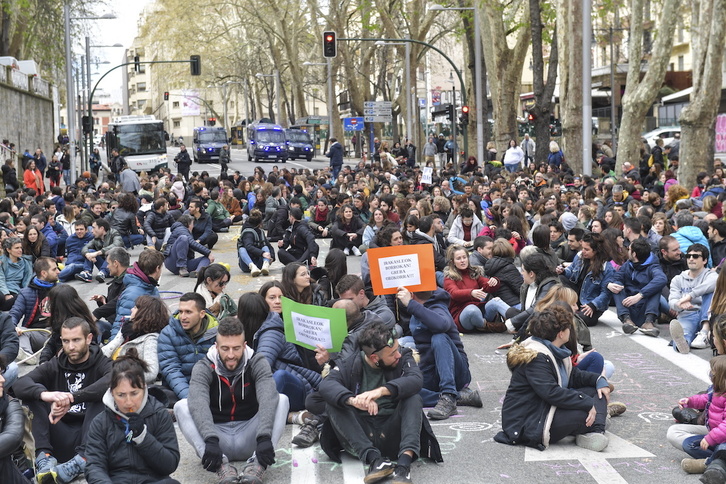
x: 560, y: 354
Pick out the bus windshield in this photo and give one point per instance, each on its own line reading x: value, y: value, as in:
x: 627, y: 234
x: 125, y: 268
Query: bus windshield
x: 212, y: 137
x: 270, y: 136
x: 298, y: 136
x: 137, y: 139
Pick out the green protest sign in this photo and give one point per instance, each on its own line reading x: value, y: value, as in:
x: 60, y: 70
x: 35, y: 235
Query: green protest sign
x: 308, y: 326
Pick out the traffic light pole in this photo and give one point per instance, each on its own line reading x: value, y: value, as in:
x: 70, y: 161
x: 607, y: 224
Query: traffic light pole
x: 90, y: 95
x: 453, y: 66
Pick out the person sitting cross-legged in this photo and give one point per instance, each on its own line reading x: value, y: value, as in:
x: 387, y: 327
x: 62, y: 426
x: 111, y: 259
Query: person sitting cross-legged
x: 75, y: 261
x: 104, y: 239
x: 180, y: 249
x: 253, y: 249
x: 233, y: 410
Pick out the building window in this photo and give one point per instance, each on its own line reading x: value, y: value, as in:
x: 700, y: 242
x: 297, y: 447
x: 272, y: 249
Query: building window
x: 177, y: 124
x: 142, y: 69
x: 141, y: 103
x: 681, y: 63
x: 141, y: 86
x: 175, y: 104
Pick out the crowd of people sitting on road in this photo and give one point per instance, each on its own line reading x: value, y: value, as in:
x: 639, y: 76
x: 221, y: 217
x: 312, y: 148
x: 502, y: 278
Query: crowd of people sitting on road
x: 520, y: 247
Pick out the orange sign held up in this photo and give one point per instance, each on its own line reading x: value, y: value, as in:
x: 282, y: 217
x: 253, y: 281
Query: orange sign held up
x: 410, y: 266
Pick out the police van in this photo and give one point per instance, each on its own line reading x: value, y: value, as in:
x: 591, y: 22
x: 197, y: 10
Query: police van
x: 207, y: 143
x: 299, y: 144
x: 266, y: 141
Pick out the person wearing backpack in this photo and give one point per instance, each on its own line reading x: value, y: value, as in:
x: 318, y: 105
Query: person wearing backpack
x: 254, y: 250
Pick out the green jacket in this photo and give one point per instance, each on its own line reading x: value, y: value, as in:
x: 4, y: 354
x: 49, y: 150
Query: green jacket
x: 216, y: 210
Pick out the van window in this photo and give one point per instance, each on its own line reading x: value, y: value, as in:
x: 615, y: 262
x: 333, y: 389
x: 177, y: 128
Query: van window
x: 271, y: 136
x: 298, y: 136
x: 212, y: 137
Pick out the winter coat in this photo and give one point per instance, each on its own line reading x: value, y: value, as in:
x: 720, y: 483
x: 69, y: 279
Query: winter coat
x: 74, y: 247
x: 178, y: 230
x: 146, y: 459
x: 12, y: 423
x: 432, y: 317
x: 715, y: 405
x: 146, y: 347
x: 646, y: 278
x: 253, y: 239
x: 689, y: 235
x: 135, y: 284
x: 155, y: 224
x: 216, y: 210
x: 528, y: 409
x: 510, y: 279
x: 202, y: 230
x: 30, y: 178
x: 672, y: 268
x: 9, y: 344
x: 123, y: 222
x: 178, y: 353
x: 87, y: 381
x: 459, y: 288
x: 456, y: 234
x: 218, y: 395
x: 300, y: 241
x: 269, y: 341
x: 555, y: 158
x: 15, y: 275
x: 110, y: 240
x: 51, y: 237
x: 335, y: 153
x: 278, y: 223
x: 542, y: 289
x: 29, y: 305
x: 107, y: 310
x: 718, y: 252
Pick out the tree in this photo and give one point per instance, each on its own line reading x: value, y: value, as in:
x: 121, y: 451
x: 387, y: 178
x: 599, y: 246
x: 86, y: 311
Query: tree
x: 641, y: 89
x: 569, y: 28
x: 698, y: 118
x: 504, y: 63
x: 543, y: 92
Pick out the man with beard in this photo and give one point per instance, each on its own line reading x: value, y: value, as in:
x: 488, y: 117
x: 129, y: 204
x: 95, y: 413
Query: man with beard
x: 64, y: 395
x: 233, y: 411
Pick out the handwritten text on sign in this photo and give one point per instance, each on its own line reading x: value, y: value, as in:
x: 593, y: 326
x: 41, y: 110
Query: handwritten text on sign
x: 311, y: 330
x: 402, y: 270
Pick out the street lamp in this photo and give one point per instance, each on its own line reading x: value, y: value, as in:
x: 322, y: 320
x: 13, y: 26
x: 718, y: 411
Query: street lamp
x: 276, y: 75
x: 478, y: 90
x: 409, y: 122
x: 70, y: 95
x: 331, y: 99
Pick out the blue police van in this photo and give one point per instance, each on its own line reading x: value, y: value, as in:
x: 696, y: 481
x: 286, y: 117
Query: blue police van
x: 266, y: 142
x: 299, y: 144
x: 207, y: 143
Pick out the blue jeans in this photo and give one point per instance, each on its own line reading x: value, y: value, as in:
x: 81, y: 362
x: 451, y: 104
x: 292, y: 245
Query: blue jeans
x: 11, y: 374
x: 290, y: 385
x: 511, y: 168
x: 692, y: 447
x: 471, y: 318
x: 132, y: 240
x: 70, y: 270
x: 497, y: 306
x: 451, y: 371
x: 100, y: 263
x: 67, y: 177
x: 178, y: 258
x: 336, y: 170
x: 440, y: 279
x: 638, y: 312
x: 691, y: 320
x: 159, y: 242
x: 593, y: 362
x: 245, y: 260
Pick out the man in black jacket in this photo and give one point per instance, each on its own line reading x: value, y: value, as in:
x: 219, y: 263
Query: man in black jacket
x: 184, y: 162
x: 118, y: 262
x: 65, y: 395
x: 157, y: 224
x: 374, y: 407
x: 203, y: 231
x: 298, y: 244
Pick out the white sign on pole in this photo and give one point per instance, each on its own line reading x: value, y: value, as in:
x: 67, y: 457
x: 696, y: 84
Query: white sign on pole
x: 378, y: 119
x: 374, y: 104
x: 427, y: 176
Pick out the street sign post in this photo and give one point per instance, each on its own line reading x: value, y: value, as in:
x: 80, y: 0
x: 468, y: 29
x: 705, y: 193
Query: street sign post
x: 353, y: 124
x: 378, y: 111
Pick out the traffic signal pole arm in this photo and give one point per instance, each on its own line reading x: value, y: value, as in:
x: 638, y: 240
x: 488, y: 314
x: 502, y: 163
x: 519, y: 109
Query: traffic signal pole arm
x: 453, y: 66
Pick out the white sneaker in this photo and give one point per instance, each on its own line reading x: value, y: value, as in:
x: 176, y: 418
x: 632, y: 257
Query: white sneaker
x: 265, y: 269
x: 700, y: 341
x: 678, y: 336
x: 346, y: 251
x: 254, y: 270
x: 356, y: 251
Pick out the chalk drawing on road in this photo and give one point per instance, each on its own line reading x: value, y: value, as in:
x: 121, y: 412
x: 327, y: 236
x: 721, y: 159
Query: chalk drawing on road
x: 594, y: 462
x: 648, y: 416
x: 471, y: 426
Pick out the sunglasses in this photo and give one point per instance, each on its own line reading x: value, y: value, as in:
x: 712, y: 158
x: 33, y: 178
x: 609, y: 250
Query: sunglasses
x: 389, y: 342
x: 694, y: 256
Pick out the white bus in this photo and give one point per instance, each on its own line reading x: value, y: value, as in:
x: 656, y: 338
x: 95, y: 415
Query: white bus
x: 140, y: 140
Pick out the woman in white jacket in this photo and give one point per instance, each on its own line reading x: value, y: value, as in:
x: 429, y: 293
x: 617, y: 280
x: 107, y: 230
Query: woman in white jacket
x: 465, y: 228
x: 513, y: 157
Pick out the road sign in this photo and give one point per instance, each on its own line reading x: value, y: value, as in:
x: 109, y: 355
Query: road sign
x: 377, y: 104
x: 377, y: 112
x: 379, y: 119
x: 353, y: 124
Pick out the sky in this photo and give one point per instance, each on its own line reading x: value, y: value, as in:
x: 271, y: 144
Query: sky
x: 120, y: 30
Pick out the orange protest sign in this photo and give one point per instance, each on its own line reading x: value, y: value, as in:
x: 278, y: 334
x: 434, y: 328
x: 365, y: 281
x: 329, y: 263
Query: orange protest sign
x: 410, y: 266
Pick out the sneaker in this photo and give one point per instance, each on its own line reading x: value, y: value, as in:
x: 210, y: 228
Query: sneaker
x: 45, y: 465
x: 693, y: 466
x: 193, y: 274
x: 356, y: 251
x: 378, y: 470
x: 654, y: 332
x: 346, y: 251
x: 402, y: 475
x: 252, y: 473
x: 183, y: 272
x: 686, y: 415
x: 700, y: 341
x: 84, y: 276
x: 679, y: 339
x: 715, y: 473
x: 629, y: 327
x: 254, y: 270
x: 227, y: 474
x: 265, y: 269
x: 616, y: 409
x: 445, y: 408
x: 594, y: 441
x: 468, y: 397
x: 299, y: 418
x: 308, y: 434
x: 68, y: 471
x: 101, y: 277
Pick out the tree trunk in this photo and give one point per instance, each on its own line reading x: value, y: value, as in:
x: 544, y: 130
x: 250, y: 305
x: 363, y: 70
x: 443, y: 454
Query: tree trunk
x: 542, y: 91
x: 505, y: 65
x: 641, y: 93
x: 569, y: 26
x: 698, y: 118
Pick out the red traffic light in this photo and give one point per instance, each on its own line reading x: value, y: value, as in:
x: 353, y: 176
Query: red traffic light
x: 530, y: 117
x: 465, y: 109
x: 330, y: 49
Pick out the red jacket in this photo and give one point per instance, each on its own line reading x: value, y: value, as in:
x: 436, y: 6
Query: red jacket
x: 460, y: 292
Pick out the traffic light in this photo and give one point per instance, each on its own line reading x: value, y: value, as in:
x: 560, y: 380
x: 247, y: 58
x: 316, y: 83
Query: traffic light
x: 166, y: 95
x: 196, y: 65
x: 531, y: 117
x: 330, y: 48
x: 212, y: 121
x: 464, y: 115
x: 137, y: 63
x: 86, y: 124
x: 452, y: 114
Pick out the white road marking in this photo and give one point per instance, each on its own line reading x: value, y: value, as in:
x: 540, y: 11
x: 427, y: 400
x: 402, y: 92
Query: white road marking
x: 353, y: 471
x: 304, y: 470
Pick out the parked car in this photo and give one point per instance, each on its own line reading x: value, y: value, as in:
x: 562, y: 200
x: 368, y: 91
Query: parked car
x: 668, y: 134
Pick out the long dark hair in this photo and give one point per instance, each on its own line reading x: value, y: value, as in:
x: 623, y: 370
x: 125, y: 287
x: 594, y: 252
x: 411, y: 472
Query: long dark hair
x: 213, y: 271
x: 64, y: 303
x: 33, y: 248
x: 152, y: 315
x: 252, y: 310
x: 600, y: 251
x: 288, y: 285
x: 539, y: 264
x: 336, y: 264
